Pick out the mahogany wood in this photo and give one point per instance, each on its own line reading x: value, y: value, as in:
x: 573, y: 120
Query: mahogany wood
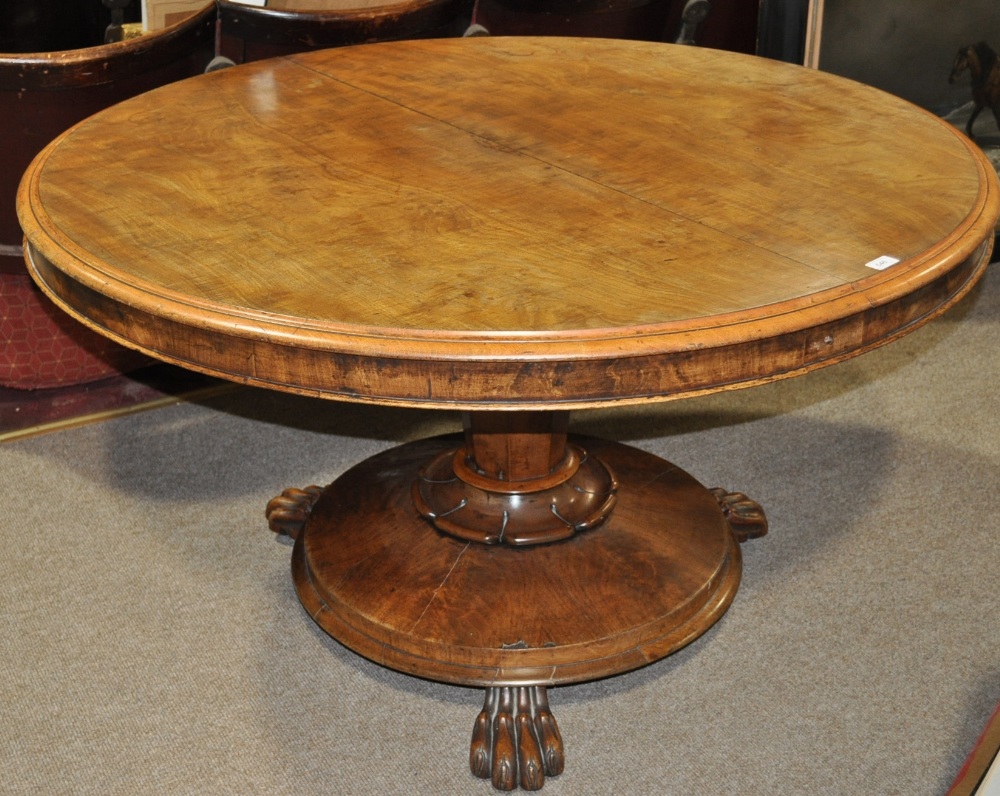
x: 250, y: 33
x: 44, y: 93
x: 515, y: 739
x: 528, y: 446
x: 513, y: 228
x: 658, y: 573
x: 515, y: 480
x: 509, y: 223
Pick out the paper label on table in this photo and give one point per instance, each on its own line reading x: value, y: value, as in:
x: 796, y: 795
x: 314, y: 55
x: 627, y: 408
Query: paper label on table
x: 258, y: 3
x: 883, y: 262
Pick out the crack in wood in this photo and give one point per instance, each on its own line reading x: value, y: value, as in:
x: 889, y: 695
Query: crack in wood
x: 441, y: 586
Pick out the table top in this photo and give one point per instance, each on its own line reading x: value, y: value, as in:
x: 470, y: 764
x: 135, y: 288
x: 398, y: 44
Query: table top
x: 509, y: 222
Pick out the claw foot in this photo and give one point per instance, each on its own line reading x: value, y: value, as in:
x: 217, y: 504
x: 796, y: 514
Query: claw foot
x: 515, y: 739
x: 288, y: 512
x: 745, y: 516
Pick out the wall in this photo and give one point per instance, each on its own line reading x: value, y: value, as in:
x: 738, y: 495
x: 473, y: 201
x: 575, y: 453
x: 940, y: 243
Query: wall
x: 906, y: 47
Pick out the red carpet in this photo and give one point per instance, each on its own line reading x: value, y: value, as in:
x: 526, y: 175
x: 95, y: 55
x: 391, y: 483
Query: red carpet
x: 26, y: 411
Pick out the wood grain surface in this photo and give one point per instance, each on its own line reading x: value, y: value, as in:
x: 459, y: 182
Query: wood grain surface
x: 380, y: 580
x: 509, y: 223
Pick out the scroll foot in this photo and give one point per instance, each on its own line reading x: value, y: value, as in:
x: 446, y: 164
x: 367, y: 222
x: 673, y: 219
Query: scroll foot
x: 515, y: 740
x: 745, y: 516
x: 288, y: 512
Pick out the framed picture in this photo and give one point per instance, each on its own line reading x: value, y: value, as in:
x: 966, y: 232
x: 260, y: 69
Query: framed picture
x: 159, y: 14
x: 940, y: 54
x: 905, y: 47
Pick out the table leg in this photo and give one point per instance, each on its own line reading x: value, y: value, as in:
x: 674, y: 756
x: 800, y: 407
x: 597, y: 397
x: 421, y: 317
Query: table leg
x: 515, y: 739
x: 515, y: 557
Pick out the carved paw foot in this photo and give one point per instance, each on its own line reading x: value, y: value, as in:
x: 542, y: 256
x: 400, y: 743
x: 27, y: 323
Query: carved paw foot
x: 745, y: 516
x: 288, y: 512
x: 515, y: 740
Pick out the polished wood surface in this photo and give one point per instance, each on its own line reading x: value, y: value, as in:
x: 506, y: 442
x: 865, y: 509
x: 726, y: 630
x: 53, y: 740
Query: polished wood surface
x: 45, y: 92
x: 251, y: 33
x: 495, y: 224
x: 485, y: 614
x: 509, y: 223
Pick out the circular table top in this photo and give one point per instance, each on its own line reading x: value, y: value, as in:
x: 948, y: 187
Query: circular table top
x: 509, y: 222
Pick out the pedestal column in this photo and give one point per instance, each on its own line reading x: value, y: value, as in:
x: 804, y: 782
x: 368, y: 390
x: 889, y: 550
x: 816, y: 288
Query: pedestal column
x: 516, y: 481
x: 515, y: 557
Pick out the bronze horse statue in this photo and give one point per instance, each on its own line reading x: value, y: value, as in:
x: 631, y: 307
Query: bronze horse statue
x: 984, y: 69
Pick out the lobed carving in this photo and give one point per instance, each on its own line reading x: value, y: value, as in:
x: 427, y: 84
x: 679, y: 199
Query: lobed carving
x: 515, y: 739
x: 577, y: 496
x: 287, y: 513
x: 745, y: 516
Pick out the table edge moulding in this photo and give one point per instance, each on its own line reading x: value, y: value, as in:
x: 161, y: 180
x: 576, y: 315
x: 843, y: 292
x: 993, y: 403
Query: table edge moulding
x: 515, y: 556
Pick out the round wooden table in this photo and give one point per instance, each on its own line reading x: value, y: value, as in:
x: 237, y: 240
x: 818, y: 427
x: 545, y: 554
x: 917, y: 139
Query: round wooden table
x: 512, y: 228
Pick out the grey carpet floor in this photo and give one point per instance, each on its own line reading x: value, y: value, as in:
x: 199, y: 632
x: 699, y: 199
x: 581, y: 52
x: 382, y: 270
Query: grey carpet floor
x: 151, y: 640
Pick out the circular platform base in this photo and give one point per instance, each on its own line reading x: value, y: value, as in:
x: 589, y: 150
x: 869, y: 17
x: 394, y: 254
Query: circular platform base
x: 381, y: 580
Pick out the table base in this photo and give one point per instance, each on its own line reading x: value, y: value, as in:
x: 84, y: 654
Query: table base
x: 386, y: 583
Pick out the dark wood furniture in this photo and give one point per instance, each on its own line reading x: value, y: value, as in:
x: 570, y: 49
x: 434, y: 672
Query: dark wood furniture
x: 42, y: 94
x: 721, y: 24
x: 513, y: 228
x: 282, y: 27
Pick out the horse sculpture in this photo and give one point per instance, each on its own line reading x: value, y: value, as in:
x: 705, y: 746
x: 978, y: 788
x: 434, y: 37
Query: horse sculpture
x: 984, y: 68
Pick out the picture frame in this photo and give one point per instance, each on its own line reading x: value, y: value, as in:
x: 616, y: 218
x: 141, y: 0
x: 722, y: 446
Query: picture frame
x: 905, y: 47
